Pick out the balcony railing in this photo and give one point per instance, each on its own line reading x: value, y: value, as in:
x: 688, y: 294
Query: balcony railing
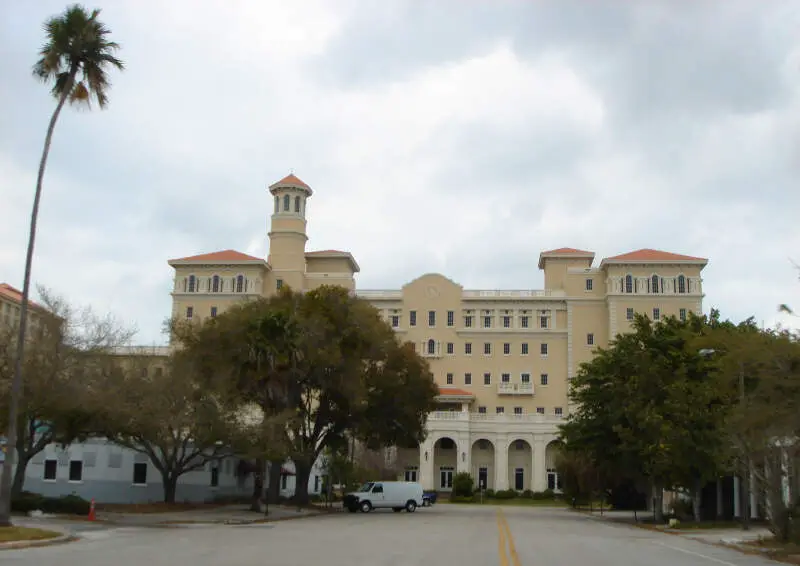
x: 439, y: 416
x: 505, y: 388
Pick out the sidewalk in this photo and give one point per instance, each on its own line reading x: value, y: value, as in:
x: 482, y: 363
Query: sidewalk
x: 731, y: 536
x: 227, y: 515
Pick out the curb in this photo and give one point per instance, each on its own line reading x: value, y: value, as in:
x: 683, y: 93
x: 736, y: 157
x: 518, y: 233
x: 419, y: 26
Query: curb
x: 22, y: 544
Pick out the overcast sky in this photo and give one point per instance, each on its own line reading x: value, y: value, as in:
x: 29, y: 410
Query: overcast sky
x: 459, y: 137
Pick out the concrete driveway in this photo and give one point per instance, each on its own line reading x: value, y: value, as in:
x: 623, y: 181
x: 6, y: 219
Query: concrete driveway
x: 443, y: 535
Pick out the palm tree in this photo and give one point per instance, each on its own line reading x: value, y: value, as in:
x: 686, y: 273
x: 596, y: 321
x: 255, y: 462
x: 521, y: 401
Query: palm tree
x: 74, y: 59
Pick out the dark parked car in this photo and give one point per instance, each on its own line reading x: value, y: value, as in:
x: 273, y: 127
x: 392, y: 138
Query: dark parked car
x: 428, y: 498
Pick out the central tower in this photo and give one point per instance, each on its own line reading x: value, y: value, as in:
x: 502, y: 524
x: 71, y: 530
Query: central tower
x: 287, y: 235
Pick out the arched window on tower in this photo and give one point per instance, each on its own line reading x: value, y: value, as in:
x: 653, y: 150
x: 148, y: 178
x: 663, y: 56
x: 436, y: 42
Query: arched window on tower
x: 681, y: 284
x: 629, y: 283
x: 431, y: 347
x: 655, y: 284
x: 240, y: 283
x: 287, y: 201
x: 297, y: 204
x: 216, y: 284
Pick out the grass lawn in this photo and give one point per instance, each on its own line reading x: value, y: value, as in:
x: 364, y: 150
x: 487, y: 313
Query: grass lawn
x: 785, y: 552
x: 14, y: 534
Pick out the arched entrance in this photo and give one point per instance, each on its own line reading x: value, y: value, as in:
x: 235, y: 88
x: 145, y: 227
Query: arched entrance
x: 520, y: 459
x: 482, y: 458
x: 551, y: 454
x: 445, y: 460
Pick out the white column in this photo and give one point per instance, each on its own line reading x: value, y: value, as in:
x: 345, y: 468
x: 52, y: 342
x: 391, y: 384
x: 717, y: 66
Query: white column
x: 426, y: 474
x: 464, y: 454
x: 501, y: 463
x: 538, y: 469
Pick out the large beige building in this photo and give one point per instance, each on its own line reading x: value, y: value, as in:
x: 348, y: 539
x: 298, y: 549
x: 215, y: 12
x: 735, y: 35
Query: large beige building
x: 502, y: 358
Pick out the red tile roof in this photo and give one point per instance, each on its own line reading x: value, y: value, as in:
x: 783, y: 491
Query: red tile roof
x: 454, y: 392
x: 15, y: 295
x: 290, y: 180
x: 567, y: 251
x: 218, y: 257
x: 647, y: 254
x: 326, y: 252
x: 583, y: 254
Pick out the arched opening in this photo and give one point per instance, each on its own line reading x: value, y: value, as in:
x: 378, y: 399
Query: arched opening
x: 482, y: 458
x: 287, y: 201
x: 520, y: 460
x: 551, y: 454
x: 445, y: 462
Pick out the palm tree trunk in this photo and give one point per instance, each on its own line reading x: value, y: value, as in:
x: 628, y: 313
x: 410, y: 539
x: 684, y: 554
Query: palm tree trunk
x: 16, y: 385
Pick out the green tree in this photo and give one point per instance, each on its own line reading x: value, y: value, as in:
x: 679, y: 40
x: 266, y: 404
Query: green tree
x: 159, y: 409
x: 65, y: 348
x: 649, y: 407
x: 75, y: 58
x: 328, y: 359
x: 463, y: 485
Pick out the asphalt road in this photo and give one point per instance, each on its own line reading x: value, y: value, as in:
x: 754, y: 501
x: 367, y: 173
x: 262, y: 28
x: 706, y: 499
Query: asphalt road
x: 443, y: 535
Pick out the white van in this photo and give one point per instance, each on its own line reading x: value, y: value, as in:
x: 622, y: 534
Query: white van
x: 394, y: 495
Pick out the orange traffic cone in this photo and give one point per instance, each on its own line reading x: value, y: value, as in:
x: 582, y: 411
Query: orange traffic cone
x: 92, y: 515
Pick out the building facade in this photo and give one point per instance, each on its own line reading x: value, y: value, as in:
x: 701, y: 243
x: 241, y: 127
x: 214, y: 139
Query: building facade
x: 502, y: 359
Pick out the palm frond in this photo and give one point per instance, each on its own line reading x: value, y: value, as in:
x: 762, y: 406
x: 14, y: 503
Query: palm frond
x: 76, y: 55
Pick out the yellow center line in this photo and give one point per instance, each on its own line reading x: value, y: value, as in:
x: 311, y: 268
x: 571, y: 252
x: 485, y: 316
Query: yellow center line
x: 503, y: 535
x: 501, y: 540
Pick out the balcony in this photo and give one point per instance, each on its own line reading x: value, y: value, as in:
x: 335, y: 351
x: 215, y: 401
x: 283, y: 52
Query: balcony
x: 472, y: 417
x: 505, y: 388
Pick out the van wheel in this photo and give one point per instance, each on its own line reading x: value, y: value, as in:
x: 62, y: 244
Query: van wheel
x: 411, y: 506
x: 366, y: 506
x: 397, y: 509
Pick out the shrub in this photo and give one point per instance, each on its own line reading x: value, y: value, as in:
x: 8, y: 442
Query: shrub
x: 463, y: 485
x: 527, y: 494
x: 505, y: 494
x: 67, y: 505
x: 489, y: 493
x: 543, y: 495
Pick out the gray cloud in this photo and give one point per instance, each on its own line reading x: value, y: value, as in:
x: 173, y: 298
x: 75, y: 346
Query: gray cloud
x: 448, y: 136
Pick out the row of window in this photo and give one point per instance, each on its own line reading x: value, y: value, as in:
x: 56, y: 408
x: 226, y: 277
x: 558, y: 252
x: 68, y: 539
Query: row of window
x: 139, y: 472
x: 629, y: 313
x: 486, y: 320
x: 287, y: 204
x: 215, y: 284
x: 655, y: 284
x: 501, y: 410
x: 524, y: 377
x: 432, y: 348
